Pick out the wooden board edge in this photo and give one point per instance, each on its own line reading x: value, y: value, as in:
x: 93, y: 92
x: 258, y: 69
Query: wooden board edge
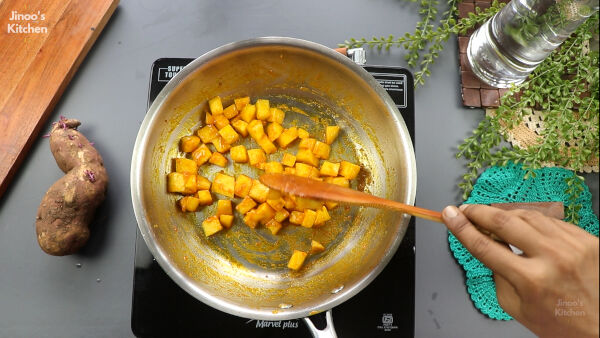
x: 7, y: 179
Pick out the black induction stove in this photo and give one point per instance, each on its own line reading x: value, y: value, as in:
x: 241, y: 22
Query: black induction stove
x: 385, y: 308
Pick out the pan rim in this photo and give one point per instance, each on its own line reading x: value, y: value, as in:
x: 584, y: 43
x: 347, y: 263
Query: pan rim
x: 138, y: 157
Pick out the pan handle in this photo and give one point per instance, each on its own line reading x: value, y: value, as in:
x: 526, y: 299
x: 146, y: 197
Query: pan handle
x: 327, y: 332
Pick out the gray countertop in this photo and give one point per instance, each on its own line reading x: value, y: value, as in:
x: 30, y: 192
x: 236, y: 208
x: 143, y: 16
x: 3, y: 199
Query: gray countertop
x: 44, y: 296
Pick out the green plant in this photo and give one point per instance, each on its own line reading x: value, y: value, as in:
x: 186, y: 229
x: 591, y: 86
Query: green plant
x: 424, y: 45
x: 569, y: 103
x: 569, y: 108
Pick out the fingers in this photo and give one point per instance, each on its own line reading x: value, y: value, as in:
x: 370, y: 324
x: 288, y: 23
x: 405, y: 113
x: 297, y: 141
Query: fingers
x: 491, y: 253
x: 505, y: 224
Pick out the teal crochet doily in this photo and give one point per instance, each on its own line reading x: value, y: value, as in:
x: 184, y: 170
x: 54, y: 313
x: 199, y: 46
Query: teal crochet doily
x: 506, y: 184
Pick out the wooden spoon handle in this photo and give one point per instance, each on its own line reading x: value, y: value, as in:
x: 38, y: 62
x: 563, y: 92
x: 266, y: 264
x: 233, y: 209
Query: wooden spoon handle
x: 351, y: 196
x: 307, y: 187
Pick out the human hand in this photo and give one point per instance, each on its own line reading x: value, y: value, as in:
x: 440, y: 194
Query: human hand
x: 552, y: 288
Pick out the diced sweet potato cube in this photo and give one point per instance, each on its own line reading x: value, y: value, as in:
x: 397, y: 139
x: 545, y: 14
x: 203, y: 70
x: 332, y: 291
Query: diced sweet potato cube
x: 296, y: 217
x: 209, y: 119
x: 273, y: 226
x: 248, y: 113
x: 189, y: 143
x: 302, y: 133
x: 349, y: 170
x: 241, y: 127
x: 201, y: 155
x: 262, y: 109
x: 251, y: 218
x: 307, y: 143
x: 220, y: 144
x: 239, y: 154
x: 276, y: 204
x: 245, y: 205
x: 266, y: 144
x: 304, y: 203
x: 281, y: 215
x: 243, y: 184
x: 331, y: 205
x: 256, y: 129
x: 204, y: 197
x: 241, y: 102
x: 229, y: 135
x: 208, y: 133
x: 211, y: 226
x: 259, y: 191
x: 322, y: 216
x: 221, y: 121
x: 265, y: 212
x: 226, y: 220
x: 274, y: 129
x: 309, y: 218
x: 307, y: 156
x: 304, y: 170
x: 274, y: 194
x: 256, y: 156
x: 314, y: 173
x: 341, y: 181
x: 223, y: 184
x: 202, y: 183
x: 316, y: 247
x: 190, y: 184
x: 288, y: 136
x: 189, y: 203
x: 224, y: 207
x: 218, y: 159
x: 288, y: 160
x: 297, y: 259
x: 276, y: 115
x: 230, y: 112
x: 290, y: 202
x: 321, y: 150
x: 273, y: 168
x: 289, y: 171
x: 331, y: 133
x: 186, y: 166
x: 216, y: 106
x: 329, y: 169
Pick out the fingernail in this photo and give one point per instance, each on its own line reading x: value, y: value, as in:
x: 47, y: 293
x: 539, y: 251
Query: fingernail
x: 450, y: 211
x: 463, y: 207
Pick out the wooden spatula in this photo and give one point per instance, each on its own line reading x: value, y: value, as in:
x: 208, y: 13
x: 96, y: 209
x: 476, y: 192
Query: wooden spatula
x: 306, y: 187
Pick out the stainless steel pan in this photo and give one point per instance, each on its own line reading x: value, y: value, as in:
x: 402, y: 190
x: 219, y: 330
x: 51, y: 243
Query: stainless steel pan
x: 243, y: 271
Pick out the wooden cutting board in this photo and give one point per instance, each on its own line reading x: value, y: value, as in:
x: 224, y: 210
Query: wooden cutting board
x: 42, y: 43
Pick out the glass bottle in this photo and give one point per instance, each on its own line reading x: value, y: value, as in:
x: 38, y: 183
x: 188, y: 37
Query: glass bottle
x: 510, y: 45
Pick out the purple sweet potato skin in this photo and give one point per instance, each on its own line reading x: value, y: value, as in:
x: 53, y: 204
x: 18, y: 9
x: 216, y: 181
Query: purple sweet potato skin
x: 68, y: 207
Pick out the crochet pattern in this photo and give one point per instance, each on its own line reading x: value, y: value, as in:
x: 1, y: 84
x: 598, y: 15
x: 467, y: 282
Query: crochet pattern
x: 503, y: 185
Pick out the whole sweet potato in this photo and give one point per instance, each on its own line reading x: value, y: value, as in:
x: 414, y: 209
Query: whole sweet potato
x: 69, y: 205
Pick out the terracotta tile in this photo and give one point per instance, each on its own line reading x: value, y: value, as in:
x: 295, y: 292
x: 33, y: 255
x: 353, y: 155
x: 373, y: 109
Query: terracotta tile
x: 487, y: 86
x: 502, y: 91
x: 469, y: 80
x: 471, y: 97
x: 490, y: 98
x: 463, y: 42
x: 483, y: 4
x: 464, y: 8
x: 464, y: 62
